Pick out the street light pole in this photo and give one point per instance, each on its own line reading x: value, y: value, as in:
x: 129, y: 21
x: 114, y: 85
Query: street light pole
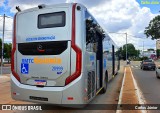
x: 143, y: 48
x: 2, y: 43
x: 126, y: 47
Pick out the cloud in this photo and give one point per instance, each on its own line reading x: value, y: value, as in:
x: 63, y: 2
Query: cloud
x: 88, y: 3
x: 124, y: 16
x: 114, y: 15
x: 120, y: 40
x: 25, y: 4
x: 140, y: 21
x: 8, y: 28
x: 2, y: 2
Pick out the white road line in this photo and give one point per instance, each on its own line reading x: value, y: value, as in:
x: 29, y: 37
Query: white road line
x: 120, y: 96
x: 139, y: 94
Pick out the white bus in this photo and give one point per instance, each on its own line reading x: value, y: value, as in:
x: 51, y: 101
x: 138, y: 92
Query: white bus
x: 60, y: 55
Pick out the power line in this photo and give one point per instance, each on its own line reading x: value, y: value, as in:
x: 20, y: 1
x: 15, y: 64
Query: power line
x: 136, y: 36
x: 128, y: 34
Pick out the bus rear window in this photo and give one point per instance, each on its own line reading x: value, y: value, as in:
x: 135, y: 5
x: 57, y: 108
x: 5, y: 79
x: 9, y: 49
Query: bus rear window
x: 50, y: 20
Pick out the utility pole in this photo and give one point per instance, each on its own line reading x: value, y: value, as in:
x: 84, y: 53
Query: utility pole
x: 126, y: 47
x: 143, y: 48
x: 2, y: 43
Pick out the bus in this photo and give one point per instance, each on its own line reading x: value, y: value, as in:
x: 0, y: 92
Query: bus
x: 60, y: 55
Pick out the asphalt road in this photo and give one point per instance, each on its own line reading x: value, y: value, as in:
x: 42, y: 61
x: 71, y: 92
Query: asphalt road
x: 148, y: 83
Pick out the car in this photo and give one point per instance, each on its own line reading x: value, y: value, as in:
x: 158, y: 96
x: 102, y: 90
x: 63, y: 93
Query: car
x: 158, y: 72
x: 147, y: 64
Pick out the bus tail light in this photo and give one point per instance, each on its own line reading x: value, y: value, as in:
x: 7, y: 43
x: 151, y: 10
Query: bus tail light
x: 13, y: 51
x: 77, y: 73
x: 78, y: 51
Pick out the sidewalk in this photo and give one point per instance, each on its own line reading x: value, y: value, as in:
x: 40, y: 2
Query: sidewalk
x: 4, y: 78
x: 129, y: 94
x: 6, y: 65
x: 5, y: 92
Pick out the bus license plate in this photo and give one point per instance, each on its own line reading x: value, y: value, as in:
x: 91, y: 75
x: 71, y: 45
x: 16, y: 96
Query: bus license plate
x: 40, y: 82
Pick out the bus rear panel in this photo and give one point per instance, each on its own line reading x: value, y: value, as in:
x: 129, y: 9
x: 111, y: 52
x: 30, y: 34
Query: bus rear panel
x: 42, y: 70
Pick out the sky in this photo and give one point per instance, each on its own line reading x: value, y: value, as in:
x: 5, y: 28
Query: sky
x: 115, y: 16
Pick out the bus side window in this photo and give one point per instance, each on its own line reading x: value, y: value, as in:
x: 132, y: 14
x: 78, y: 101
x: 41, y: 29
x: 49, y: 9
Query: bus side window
x: 91, y: 44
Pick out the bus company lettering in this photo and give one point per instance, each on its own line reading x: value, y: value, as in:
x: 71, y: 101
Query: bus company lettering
x: 47, y: 60
x: 40, y: 38
x: 38, y: 60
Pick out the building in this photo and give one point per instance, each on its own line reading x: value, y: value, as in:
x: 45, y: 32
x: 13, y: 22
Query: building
x: 150, y: 54
x: 157, y: 44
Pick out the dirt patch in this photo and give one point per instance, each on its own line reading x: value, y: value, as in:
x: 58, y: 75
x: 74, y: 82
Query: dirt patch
x: 129, y: 92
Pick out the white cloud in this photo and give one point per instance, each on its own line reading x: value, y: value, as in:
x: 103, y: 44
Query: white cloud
x: 124, y: 16
x: 140, y: 21
x: 115, y: 16
x: 8, y: 28
x: 1, y: 2
x: 88, y: 3
x: 25, y: 4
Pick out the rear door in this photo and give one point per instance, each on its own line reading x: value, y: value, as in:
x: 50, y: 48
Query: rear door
x: 44, y: 43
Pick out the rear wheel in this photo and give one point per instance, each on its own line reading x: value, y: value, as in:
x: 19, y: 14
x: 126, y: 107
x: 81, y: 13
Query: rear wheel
x: 142, y: 68
x: 104, y: 89
x: 157, y: 75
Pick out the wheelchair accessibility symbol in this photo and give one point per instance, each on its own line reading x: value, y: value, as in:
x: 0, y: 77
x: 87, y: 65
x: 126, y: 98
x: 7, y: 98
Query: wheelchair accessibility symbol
x: 24, y: 68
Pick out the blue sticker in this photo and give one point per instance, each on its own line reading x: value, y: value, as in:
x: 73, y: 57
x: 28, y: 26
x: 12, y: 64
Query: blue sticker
x: 24, y: 68
x: 91, y: 58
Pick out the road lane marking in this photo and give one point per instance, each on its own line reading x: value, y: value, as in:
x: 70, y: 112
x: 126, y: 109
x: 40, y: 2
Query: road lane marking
x: 134, y: 66
x: 121, y: 91
x: 139, y: 94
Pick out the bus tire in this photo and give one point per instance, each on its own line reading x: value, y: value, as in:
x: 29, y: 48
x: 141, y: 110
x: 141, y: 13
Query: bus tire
x: 104, y: 89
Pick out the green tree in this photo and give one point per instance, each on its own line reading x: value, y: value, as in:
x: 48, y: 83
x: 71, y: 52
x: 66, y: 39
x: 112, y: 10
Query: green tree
x: 7, y: 50
x: 131, y: 51
x: 153, y: 29
x: 150, y: 49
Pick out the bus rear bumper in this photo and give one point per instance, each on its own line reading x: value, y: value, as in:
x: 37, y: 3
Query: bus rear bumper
x: 70, y: 94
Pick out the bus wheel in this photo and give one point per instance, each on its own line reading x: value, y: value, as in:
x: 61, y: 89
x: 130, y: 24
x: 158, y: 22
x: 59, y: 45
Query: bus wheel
x: 104, y: 89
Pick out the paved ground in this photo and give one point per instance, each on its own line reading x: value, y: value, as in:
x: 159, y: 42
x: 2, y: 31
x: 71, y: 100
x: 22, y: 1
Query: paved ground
x: 128, y: 91
x: 110, y: 97
x: 6, y: 69
x: 148, y: 83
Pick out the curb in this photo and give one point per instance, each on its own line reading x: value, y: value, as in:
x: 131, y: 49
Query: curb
x: 138, y: 93
x: 120, y: 96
